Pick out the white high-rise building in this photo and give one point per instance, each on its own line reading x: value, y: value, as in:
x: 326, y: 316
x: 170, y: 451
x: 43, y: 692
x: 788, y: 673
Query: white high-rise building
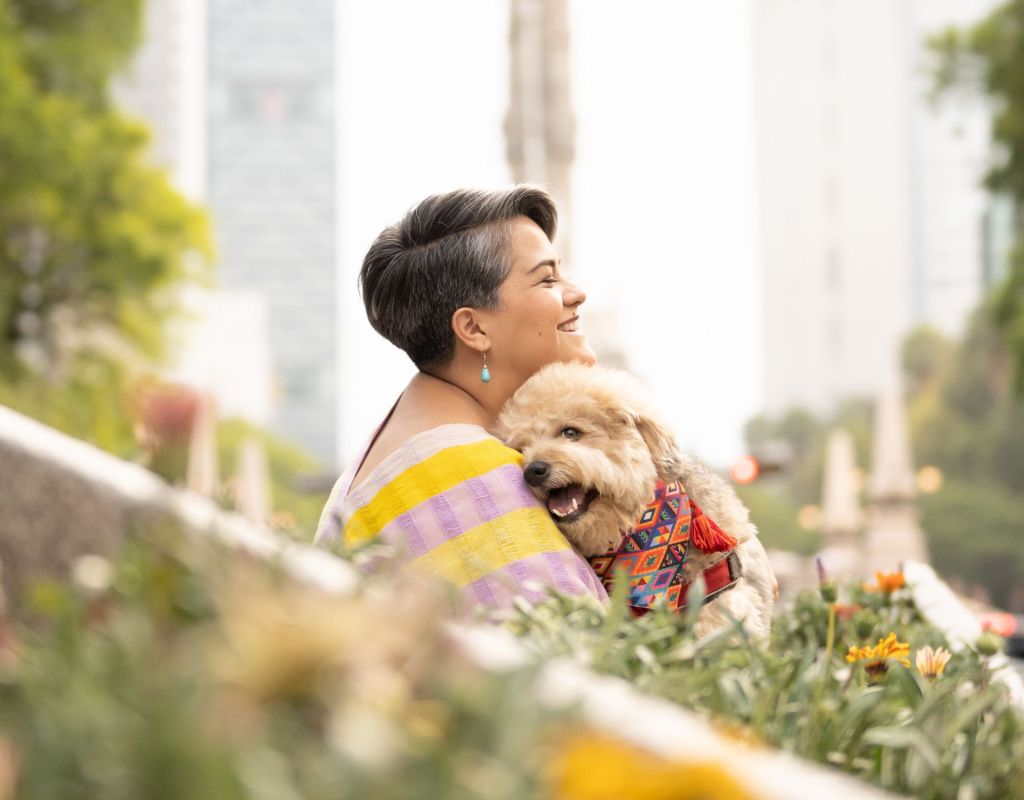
x: 871, y: 211
x: 239, y: 97
x: 271, y: 191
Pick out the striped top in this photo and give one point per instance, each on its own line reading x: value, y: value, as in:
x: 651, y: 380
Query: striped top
x: 453, y: 499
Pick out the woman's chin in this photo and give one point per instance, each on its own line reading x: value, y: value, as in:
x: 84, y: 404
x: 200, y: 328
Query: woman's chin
x: 583, y: 353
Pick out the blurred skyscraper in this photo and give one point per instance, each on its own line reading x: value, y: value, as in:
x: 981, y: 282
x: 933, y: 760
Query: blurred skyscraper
x: 540, y: 137
x: 239, y: 95
x: 271, y: 189
x: 872, y: 216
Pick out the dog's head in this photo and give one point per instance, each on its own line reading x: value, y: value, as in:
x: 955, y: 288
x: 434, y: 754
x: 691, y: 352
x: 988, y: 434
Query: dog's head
x: 592, y: 449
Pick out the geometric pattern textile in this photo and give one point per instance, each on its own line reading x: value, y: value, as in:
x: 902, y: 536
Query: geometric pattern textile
x: 653, y: 553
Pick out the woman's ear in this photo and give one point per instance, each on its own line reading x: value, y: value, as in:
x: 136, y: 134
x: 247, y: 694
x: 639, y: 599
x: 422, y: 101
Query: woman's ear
x: 467, y: 325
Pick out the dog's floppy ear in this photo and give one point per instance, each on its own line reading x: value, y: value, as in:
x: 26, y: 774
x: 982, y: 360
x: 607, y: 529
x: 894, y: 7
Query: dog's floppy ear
x: 662, y: 444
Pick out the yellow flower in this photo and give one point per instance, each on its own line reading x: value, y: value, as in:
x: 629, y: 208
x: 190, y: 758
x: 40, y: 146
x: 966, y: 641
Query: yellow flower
x: 930, y: 663
x: 592, y: 766
x: 887, y: 582
x: 877, y: 656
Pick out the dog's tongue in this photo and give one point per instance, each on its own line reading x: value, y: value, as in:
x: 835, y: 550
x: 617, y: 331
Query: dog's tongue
x: 564, y: 501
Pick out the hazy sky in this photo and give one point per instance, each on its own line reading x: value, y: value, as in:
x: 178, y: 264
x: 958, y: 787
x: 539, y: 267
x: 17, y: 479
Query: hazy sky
x: 664, y: 222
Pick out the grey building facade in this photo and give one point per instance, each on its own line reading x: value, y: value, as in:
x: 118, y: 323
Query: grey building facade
x: 270, y: 155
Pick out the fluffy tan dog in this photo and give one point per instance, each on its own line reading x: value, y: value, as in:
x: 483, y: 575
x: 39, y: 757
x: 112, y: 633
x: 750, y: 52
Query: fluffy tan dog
x: 593, y: 451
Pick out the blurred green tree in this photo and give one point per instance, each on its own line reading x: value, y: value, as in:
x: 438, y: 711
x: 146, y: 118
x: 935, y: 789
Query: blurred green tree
x: 964, y: 418
x: 95, y: 243
x: 988, y: 59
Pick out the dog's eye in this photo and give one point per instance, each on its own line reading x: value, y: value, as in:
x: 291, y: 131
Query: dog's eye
x: 571, y: 433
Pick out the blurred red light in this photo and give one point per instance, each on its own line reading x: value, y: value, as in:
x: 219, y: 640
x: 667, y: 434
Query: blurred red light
x: 745, y: 470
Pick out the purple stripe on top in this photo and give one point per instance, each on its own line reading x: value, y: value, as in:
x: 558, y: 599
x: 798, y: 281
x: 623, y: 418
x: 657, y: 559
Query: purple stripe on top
x: 559, y: 573
x: 449, y: 514
x: 506, y: 586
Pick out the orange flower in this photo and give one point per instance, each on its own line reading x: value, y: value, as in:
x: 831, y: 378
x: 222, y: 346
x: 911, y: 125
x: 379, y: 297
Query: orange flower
x: 887, y: 582
x: 846, y: 612
x: 877, y: 656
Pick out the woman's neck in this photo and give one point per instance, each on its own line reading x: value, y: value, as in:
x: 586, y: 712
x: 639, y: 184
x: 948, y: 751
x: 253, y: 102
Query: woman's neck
x: 450, y: 399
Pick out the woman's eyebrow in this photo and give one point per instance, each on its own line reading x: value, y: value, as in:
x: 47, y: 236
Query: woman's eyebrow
x: 548, y: 262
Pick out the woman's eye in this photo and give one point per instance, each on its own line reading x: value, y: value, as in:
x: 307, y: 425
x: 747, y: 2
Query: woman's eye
x: 550, y: 279
x: 571, y: 433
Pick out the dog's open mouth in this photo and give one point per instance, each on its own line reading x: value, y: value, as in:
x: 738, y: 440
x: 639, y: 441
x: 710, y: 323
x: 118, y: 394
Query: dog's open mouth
x: 569, y: 503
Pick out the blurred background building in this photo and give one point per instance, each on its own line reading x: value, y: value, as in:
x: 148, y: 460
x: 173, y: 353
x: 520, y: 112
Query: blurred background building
x: 240, y: 96
x: 271, y: 190
x: 763, y: 201
x: 540, y: 140
x: 872, y: 214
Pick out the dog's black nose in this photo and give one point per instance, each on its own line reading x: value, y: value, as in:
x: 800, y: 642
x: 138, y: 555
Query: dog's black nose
x: 536, y: 472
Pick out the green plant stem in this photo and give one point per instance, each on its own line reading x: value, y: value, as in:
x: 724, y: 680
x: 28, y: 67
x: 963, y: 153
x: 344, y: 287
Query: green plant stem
x: 826, y: 671
x: 831, y: 636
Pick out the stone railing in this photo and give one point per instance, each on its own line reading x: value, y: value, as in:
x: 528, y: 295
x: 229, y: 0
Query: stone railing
x: 61, y: 498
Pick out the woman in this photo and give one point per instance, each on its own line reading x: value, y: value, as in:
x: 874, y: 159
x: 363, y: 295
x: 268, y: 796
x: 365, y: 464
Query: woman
x: 469, y: 285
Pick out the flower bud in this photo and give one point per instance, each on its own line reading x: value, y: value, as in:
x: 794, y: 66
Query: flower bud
x: 989, y: 643
x: 864, y: 623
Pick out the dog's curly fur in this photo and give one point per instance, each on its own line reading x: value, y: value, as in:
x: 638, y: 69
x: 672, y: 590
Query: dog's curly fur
x: 593, y: 427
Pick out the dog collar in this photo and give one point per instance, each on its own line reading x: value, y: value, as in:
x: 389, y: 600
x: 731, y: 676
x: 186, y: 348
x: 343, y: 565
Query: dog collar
x: 653, y: 553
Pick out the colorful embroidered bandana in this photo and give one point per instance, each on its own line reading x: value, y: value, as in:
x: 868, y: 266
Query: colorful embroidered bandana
x: 654, y: 552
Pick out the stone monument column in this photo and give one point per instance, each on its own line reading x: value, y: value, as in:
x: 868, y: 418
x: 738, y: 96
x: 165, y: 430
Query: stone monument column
x: 893, y: 533
x: 842, y: 520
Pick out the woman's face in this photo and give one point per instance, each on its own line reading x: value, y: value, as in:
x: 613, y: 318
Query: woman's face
x: 538, y: 321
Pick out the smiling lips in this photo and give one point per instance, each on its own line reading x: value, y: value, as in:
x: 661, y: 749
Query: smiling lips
x: 569, y: 326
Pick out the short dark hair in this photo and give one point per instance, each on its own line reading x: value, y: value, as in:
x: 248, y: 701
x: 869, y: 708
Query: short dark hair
x: 449, y: 251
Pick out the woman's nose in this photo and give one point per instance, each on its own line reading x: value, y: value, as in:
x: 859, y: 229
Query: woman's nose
x: 573, y: 295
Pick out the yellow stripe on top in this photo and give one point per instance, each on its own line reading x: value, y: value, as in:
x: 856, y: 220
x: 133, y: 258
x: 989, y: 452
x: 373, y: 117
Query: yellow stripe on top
x: 488, y: 547
x: 429, y: 478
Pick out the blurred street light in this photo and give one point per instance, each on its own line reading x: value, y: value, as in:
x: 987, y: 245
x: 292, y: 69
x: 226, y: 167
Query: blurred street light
x: 929, y: 480
x: 809, y: 518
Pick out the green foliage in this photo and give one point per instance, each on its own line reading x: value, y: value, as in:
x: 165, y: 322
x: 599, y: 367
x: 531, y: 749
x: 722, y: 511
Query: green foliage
x: 988, y: 59
x: 87, y: 403
x: 965, y: 420
x: 73, y: 48
x: 197, y: 673
x: 189, y: 670
x: 974, y: 532
x: 298, y: 510
x: 924, y: 355
x: 775, y: 515
x: 960, y: 736
x: 94, y: 242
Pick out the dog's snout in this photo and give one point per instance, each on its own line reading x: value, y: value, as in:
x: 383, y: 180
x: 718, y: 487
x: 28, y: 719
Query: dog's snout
x: 536, y: 472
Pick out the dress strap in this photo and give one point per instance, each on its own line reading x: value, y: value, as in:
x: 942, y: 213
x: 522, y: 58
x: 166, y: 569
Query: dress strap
x: 345, y: 482
x: 329, y: 527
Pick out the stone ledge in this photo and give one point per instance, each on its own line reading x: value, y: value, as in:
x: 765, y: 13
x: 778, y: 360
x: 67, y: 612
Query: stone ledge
x: 61, y: 498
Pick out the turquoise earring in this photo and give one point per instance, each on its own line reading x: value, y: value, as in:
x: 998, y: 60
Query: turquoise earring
x: 485, y: 374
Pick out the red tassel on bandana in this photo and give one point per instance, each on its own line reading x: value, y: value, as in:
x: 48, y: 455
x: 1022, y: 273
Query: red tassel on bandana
x: 706, y: 535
